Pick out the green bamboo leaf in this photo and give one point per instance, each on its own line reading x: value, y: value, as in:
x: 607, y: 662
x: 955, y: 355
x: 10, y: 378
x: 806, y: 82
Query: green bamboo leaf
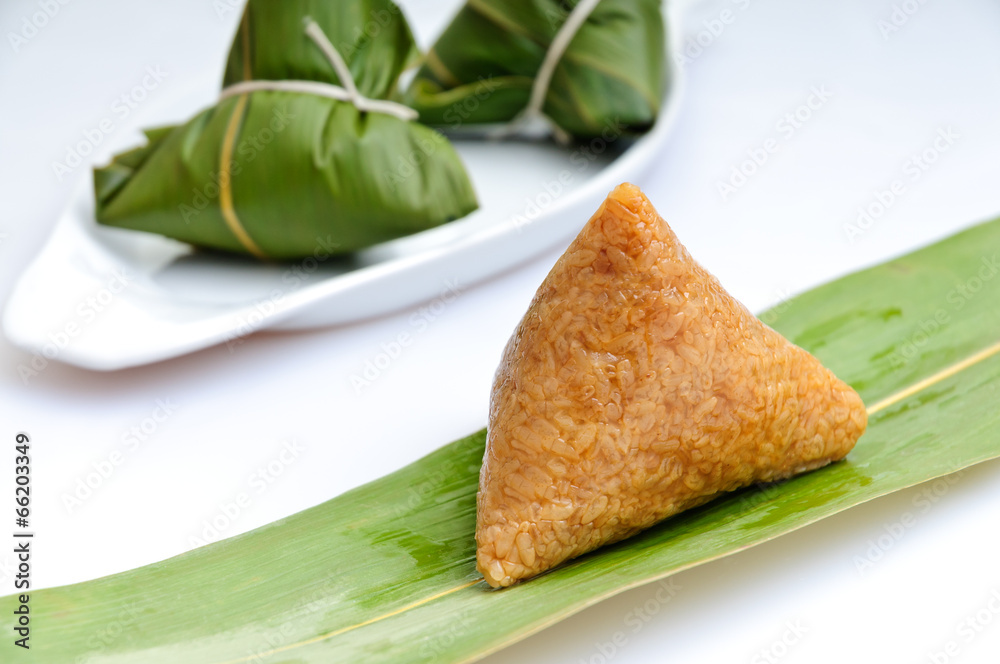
x: 287, y: 174
x: 306, y: 174
x: 372, y: 36
x: 386, y: 572
x: 613, y: 74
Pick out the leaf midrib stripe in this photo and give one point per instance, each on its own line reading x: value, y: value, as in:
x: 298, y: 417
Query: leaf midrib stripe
x: 930, y: 381
x: 226, y: 205
x: 887, y: 402
x: 350, y: 628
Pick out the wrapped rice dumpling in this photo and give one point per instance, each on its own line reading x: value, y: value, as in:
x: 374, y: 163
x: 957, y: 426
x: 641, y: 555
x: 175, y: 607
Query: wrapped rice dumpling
x: 303, y: 146
x: 634, y: 388
x: 592, y: 67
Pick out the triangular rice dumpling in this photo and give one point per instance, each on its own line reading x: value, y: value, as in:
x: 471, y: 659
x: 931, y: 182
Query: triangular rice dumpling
x: 635, y: 387
x: 285, y: 170
x: 609, y: 82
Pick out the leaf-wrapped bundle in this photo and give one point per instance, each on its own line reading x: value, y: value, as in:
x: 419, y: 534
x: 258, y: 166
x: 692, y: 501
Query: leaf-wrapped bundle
x: 276, y: 172
x: 612, y: 75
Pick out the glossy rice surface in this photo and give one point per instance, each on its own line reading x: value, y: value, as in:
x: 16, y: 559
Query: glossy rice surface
x: 636, y: 387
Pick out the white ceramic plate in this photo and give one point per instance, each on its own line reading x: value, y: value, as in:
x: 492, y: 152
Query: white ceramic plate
x: 105, y: 298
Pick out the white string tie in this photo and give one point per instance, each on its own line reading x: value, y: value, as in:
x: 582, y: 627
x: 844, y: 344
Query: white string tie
x: 348, y: 91
x: 540, y: 87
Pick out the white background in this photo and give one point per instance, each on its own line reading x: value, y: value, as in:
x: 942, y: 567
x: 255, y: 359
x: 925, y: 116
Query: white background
x: 780, y: 233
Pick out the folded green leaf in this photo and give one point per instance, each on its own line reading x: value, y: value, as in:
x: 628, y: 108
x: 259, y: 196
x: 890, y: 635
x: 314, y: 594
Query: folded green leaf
x: 610, y: 80
x: 372, y: 36
x: 306, y: 174
x: 289, y: 174
x: 386, y: 572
